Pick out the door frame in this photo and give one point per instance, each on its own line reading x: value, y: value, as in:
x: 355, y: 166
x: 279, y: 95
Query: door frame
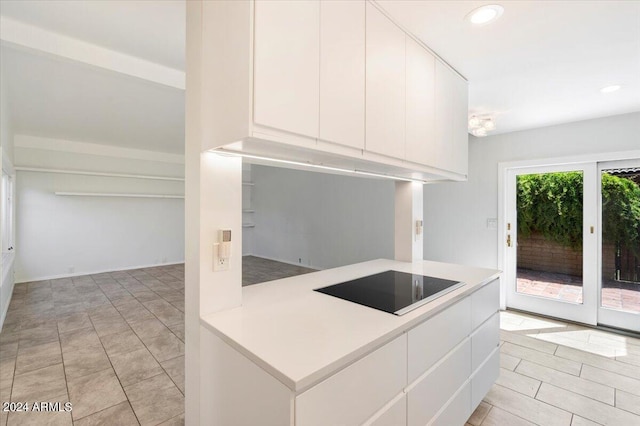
x: 586, y: 311
x: 503, y: 170
x: 607, y: 316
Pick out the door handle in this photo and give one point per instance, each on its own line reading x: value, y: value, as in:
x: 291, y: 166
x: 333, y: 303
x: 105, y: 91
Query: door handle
x: 509, y: 240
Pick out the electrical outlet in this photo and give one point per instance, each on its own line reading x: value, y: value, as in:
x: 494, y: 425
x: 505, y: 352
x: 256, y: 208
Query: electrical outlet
x: 219, y: 263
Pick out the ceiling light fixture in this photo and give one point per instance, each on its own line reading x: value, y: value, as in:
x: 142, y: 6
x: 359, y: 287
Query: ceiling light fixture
x: 478, y: 126
x: 314, y: 166
x: 485, y: 14
x: 609, y: 89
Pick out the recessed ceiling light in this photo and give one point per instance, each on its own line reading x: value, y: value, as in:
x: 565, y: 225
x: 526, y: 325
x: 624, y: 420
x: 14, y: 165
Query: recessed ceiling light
x: 610, y: 89
x: 485, y: 14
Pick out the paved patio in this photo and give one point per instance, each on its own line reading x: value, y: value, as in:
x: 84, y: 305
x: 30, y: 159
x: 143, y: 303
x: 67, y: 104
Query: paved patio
x: 615, y: 294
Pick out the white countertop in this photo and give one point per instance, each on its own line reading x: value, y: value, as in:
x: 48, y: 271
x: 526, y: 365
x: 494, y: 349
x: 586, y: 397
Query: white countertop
x: 301, y: 336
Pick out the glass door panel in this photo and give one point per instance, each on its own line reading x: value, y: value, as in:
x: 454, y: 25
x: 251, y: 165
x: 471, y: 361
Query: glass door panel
x: 551, y: 241
x: 620, y: 245
x: 549, y: 235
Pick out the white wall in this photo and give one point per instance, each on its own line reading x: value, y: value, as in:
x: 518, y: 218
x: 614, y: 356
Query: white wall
x: 456, y: 213
x: 64, y: 235
x: 6, y: 159
x: 323, y: 219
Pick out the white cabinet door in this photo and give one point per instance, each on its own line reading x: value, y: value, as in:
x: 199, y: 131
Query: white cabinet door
x: 286, y: 65
x: 357, y: 392
x: 385, y: 101
x: 443, y: 117
x: 460, y: 125
x: 342, y: 72
x: 420, y: 103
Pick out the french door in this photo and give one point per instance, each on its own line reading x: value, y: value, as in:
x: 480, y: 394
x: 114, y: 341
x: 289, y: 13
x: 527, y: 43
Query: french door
x: 572, y: 245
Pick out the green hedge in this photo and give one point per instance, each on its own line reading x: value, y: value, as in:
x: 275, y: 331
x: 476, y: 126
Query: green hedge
x: 551, y: 204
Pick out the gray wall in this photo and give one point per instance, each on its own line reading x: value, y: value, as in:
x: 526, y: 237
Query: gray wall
x: 323, y: 219
x: 456, y: 213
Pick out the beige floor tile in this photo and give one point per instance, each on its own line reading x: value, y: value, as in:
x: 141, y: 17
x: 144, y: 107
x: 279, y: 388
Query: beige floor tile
x: 585, y: 407
x: 132, y: 367
x: 608, y: 378
x: 581, y: 421
x: 518, y: 382
x: 78, y: 339
x: 39, y: 385
x: 500, y: 417
x: 599, y: 361
x: 36, y: 357
x: 83, y: 361
x: 175, y: 370
x: 148, y: 328
x: 73, y: 322
x: 597, y: 349
x: 165, y: 312
x: 527, y: 408
x: 165, y: 346
x: 627, y: 357
x: 105, y: 327
x: 124, y: 342
x: 40, y: 418
x: 133, y: 311
x: 175, y: 421
x: 7, y: 369
x: 160, y: 405
x: 120, y: 415
x: 548, y: 360
x: 143, y: 388
x: 528, y: 342
x: 95, y: 392
x: 479, y: 414
x: 566, y: 381
x: 628, y: 402
x: 178, y: 330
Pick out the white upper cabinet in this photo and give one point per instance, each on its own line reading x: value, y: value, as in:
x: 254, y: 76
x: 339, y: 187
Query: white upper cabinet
x: 420, y: 104
x: 385, y: 86
x: 342, y: 72
x: 287, y: 65
x: 460, y: 122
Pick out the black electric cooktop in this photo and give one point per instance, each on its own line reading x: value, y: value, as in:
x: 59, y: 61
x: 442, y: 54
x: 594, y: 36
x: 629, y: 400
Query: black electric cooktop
x: 392, y: 291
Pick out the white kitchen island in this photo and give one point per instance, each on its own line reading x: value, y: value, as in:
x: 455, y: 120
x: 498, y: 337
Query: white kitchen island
x: 293, y: 356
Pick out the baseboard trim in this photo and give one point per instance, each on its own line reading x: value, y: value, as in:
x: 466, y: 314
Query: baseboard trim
x: 284, y: 261
x: 77, y: 274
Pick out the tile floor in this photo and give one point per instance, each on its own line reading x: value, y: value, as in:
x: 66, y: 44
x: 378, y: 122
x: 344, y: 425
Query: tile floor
x: 113, y: 344
x: 555, y: 373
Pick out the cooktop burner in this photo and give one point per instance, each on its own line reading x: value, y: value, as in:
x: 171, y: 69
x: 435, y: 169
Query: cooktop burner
x: 392, y: 291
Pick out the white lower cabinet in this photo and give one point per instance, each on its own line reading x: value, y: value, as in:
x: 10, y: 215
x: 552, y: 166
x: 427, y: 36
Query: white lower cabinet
x: 394, y: 415
x: 458, y: 409
x: 484, y: 377
x: 354, y: 394
x: 436, y: 373
x: 432, y: 391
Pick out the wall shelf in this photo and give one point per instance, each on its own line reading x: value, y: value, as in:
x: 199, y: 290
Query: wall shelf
x: 248, y: 211
x: 103, y: 174
x: 248, y: 184
x: 99, y: 194
x: 248, y: 225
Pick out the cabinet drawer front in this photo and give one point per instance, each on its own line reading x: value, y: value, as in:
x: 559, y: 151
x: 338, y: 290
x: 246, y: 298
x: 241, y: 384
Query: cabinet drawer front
x: 354, y: 394
x: 485, y: 302
x: 431, y: 340
x: 484, y: 340
x: 484, y: 378
x: 457, y: 411
x: 393, y: 416
x: 432, y: 392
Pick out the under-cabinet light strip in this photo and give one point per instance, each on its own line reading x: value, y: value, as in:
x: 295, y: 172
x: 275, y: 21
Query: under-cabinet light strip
x: 315, y: 166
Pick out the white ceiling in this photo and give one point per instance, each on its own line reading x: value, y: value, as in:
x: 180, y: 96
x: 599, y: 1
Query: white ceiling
x: 151, y: 30
x: 58, y: 98
x: 541, y: 63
